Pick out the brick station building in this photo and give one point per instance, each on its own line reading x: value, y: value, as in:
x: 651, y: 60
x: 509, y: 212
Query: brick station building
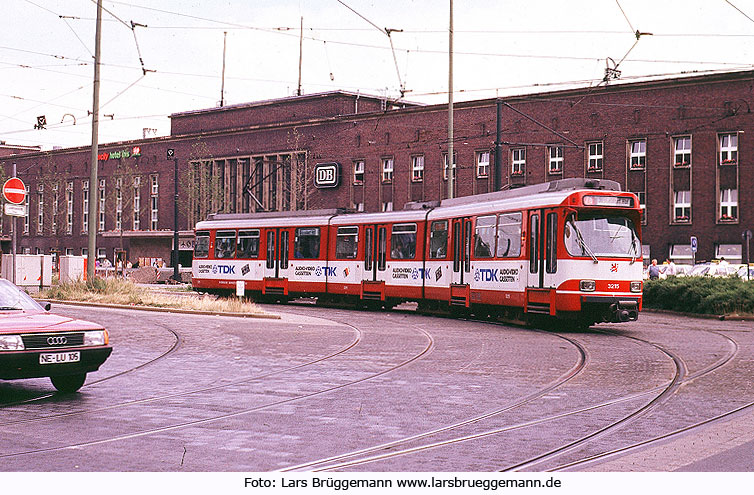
x: 684, y: 145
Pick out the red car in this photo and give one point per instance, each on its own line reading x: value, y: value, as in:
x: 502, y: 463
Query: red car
x: 35, y: 343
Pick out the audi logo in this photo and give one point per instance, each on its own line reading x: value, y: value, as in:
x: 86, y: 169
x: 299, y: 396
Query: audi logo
x: 57, y: 340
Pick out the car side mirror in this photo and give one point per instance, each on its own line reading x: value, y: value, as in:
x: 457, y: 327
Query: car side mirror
x: 47, y: 306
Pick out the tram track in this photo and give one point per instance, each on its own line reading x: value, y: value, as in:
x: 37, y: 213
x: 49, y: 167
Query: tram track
x: 173, y: 347
x: 382, y: 452
x: 430, y: 343
x: 343, y: 460
x: 147, y: 400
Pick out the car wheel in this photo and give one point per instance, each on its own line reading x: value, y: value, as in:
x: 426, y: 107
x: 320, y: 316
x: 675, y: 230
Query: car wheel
x: 68, y: 383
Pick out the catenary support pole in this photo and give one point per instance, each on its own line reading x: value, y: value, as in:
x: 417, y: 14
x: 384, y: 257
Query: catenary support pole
x: 93, y: 224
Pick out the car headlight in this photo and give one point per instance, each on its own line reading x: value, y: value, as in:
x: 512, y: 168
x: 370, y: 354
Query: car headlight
x: 95, y: 337
x: 636, y: 286
x: 11, y: 343
x: 587, y: 285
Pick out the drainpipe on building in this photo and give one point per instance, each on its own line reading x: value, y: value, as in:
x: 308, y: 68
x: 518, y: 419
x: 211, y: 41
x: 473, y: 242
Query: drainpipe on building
x: 497, y: 182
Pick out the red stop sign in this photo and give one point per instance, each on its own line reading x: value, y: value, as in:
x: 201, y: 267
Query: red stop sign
x: 14, y: 190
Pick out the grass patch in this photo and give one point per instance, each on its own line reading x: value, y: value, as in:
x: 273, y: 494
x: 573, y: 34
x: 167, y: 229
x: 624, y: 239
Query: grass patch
x: 702, y: 295
x: 120, y: 291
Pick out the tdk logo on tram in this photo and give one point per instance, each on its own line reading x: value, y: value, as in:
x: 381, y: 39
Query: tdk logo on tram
x: 224, y: 269
x: 501, y: 275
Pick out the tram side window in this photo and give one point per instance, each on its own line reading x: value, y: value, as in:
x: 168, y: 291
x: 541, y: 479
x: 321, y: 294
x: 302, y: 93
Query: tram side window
x: 438, y: 239
x: 306, y: 244
x: 509, y: 235
x: 248, y: 243
x: 225, y: 244
x: 201, y: 248
x: 271, y: 258
x: 484, y: 237
x: 403, y: 241
x: 534, y: 244
x: 347, y: 243
x: 552, y: 243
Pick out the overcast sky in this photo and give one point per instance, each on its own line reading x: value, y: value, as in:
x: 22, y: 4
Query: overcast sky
x: 502, y: 48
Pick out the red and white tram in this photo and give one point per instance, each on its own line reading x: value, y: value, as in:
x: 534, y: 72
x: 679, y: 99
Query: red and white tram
x: 568, y: 249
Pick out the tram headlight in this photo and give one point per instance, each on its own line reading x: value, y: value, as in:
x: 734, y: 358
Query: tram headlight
x: 587, y: 285
x: 636, y: 286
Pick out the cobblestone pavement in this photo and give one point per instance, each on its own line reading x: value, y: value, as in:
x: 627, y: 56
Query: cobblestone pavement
x: 396, y: 391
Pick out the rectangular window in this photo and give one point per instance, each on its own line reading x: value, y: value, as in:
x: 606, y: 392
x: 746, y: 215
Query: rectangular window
x: 387, y: 170
x: 728, y: 149
x: 681, y: 254
x: 417, y: 168
x: 101, y: 253
x: 347, y: 243
x: 225, y: 244
x: 682, y: 151
x: 201, y: 246
x: 642, y: 196
x: 445, y: 166
x: 137, y: 203
x: 85, y: 207
x: 40, y: 208
x: 271, y: 258
x: 403, y: 241
x: 732, y: 253
x: 438, y: 239
x: 102, y: 211
x: 595, y: 157
x: 729, y: 205
x: 509, y: 235
x: 55, y: 205
x: 306, y: 243
x: 69, y: 207
x: 484, y: 236
x: 119, y: 203
x: 483, y: 164
x: 356, y: 206
x: 518, y: 161
x: 387, y: 206
x: 556, y: 159
x: 682, y: 206
x: 284, y: 249
x: 534, y: 244
x: 551, y: 250
x: 154, y: 202
x: 358, y: 172
x: 638, y: 154
x: 248, y: 243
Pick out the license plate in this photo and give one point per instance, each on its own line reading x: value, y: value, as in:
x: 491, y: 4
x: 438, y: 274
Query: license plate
x: 60, y: 357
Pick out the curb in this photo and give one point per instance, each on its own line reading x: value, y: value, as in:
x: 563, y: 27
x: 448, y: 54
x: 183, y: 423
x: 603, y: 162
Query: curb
x: 699, y: 315
x: 156, y: 309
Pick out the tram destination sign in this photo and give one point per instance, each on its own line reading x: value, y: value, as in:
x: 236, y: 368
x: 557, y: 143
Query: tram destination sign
x: 327, y: 175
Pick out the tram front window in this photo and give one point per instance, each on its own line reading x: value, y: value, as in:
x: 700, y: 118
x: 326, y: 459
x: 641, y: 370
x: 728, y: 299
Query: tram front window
x: 601, y: 235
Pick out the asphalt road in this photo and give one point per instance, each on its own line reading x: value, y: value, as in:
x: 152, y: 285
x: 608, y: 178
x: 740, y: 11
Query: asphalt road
x: 391, y: 391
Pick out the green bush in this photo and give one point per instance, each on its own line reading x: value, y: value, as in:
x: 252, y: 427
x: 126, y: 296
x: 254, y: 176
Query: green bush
x: 705, y: 295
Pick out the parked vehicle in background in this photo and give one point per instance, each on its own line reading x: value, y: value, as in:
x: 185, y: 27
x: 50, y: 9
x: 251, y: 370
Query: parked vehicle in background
x: 35, y: 343
x: 707, y: 269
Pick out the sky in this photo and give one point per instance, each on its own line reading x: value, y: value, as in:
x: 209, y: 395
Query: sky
x: 166, y: 57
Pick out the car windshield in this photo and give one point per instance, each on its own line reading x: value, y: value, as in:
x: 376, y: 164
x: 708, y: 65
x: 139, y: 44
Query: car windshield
x: 12, y: 298
x: 601, y: 235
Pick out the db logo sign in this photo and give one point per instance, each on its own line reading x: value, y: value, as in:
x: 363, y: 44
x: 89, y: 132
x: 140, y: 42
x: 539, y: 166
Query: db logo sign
x: 327, y: 175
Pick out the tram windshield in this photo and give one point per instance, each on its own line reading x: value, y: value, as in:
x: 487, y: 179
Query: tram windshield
x: 601, y: 235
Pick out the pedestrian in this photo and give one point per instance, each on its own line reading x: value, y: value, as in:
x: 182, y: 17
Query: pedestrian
x: 654, y: 270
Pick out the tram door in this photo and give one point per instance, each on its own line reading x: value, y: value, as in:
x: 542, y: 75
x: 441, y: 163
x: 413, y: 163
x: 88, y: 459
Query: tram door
x: 277, y: 246
x: 375, y: 253
x: 462, y: 236
x: 542, y: 245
